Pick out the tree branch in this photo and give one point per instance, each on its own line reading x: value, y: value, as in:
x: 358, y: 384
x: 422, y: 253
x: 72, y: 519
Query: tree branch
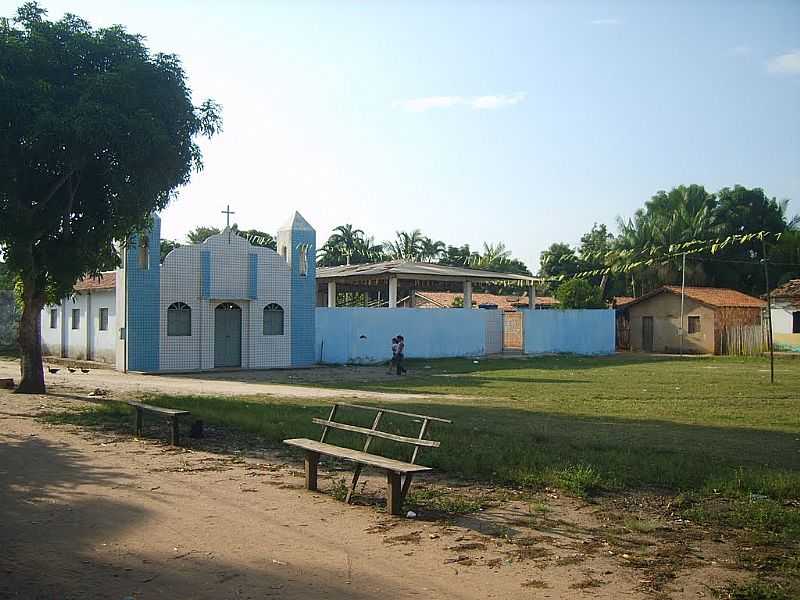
x: 55, y: 187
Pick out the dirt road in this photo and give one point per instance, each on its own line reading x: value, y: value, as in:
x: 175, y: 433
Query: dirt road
x: 90, y: 515
x: 220, y: 383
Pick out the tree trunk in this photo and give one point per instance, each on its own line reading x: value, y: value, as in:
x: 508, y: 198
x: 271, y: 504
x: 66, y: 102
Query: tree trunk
x: 30, y: 340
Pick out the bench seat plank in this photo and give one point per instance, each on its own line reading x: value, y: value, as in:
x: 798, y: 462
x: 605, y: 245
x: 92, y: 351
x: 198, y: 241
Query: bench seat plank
x: 157, y: 409
x: 356, y: 456
x: 377, y: 433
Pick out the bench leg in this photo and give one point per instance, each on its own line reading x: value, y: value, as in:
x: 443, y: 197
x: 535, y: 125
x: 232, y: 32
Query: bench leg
x: 353, y: 484
x: 311, y: 462
x: 406, y: 485
x: 175, y: 431
x: 394, y: 502
x: 138, y: 422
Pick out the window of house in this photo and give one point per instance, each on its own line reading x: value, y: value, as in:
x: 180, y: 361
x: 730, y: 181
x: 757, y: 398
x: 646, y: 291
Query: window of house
x: 303, y: 251
x: 103, y: 319
x: 53, y: 318
x: 76, y: 318
x: 144, y: 253
x: 273, y: 319
x: 179, y: 319
x: 694, y: 324
x: 796, y: 321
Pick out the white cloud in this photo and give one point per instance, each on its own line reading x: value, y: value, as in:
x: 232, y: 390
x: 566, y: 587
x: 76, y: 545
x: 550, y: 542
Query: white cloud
x: 423, y: 104
x: 608, y: 21
x: 499, y: 101
x: 787, y: 64
x: 475, y: 102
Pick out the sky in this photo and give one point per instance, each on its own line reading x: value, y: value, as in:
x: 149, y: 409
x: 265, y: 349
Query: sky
x: 520, y: 122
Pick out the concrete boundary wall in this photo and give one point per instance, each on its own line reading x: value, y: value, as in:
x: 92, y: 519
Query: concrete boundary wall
x: 570, y: 331
x: 364, y: 335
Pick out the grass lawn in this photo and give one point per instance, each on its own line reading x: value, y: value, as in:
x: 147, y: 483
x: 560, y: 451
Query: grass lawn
x: 700, y: 427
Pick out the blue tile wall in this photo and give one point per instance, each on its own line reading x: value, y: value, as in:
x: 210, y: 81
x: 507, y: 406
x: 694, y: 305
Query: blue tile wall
x: 144, y: 291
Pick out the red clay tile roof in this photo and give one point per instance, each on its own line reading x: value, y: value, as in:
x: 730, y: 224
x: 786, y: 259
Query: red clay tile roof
x: 445, y: 299
x: 620, y: 301
x: 717, y: 297
x: 107, y: 281
x: 790, y: 289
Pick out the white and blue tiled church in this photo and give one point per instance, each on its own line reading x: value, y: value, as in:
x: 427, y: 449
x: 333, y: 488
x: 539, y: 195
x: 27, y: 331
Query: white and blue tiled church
x: 225, y: 303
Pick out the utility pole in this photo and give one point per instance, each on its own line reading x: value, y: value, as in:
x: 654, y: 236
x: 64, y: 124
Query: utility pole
x: 683, y: 294
x: 769, y: 311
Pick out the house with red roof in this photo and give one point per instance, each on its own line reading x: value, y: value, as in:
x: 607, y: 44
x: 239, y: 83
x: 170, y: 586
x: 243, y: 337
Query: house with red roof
x: 786, y: 316
x: 715, y: 321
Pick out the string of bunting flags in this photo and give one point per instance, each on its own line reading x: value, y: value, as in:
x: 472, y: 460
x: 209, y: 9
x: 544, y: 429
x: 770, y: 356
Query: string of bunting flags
x: 624, y: 261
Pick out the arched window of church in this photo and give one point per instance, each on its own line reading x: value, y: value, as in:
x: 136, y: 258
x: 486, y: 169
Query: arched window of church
x: 273, y: 319
x: 303, y: 259
x: 179, y: 319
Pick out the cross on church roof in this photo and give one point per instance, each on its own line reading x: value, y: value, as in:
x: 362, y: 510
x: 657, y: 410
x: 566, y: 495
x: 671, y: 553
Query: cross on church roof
x: 228, y: 212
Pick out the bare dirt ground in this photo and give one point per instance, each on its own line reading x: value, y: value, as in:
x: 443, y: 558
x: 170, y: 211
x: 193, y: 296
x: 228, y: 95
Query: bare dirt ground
x: 86, y: 514
x: 218, y: 383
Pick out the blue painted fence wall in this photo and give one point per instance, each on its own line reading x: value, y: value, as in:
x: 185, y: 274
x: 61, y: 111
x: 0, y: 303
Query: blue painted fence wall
x: 570, y: 331
x: 364, y: 335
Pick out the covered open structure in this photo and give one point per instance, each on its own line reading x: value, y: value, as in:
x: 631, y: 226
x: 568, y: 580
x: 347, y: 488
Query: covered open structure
x: 394, y: 283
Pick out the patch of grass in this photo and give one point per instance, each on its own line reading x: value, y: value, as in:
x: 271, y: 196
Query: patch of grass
x: 753, y: 590
x: 108, y: 415
x: 580, y: 480
x: 443, y: 501
x: 699, y: 427
x: 339, y: 489
x: 640, y: 525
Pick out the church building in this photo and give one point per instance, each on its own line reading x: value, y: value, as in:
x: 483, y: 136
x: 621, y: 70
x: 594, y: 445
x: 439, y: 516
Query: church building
x: 225, y: 303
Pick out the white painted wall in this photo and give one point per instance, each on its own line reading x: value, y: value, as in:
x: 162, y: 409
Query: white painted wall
x: 86, y: 342
x: 782, y: 317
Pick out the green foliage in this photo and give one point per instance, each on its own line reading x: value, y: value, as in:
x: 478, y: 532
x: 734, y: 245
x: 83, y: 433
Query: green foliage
x: 168, y: 246
x: 339, y: 489
x: 96, y: 134
x: 579, y: 293
x: 753, y: 590
x: 349, y: 246
x: 458, y: 302
x: 581, y: 480
x: 443, y: 501
x: 198, y: 235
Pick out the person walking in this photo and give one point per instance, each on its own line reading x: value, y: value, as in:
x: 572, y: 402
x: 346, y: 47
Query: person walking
x: 394, y: 357
x: 400, y: 355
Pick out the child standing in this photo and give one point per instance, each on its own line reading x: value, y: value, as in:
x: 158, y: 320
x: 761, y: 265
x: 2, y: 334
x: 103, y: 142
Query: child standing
x: 394, y: 356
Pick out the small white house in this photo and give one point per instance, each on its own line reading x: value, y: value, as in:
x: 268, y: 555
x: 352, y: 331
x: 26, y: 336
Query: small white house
x: 786, y: 316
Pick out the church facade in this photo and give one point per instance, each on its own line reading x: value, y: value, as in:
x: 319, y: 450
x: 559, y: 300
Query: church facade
x: 225, y: 303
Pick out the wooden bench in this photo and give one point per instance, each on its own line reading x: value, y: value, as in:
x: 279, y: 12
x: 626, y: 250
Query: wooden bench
x: 398, y: 473
x: 171, y: 413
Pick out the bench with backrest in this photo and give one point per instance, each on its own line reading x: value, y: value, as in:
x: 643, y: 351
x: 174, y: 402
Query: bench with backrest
x: 170, y: 413
x: 398, y: 473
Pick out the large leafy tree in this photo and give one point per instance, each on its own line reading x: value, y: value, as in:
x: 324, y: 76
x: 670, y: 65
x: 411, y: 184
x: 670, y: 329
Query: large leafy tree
x: 95, y: 134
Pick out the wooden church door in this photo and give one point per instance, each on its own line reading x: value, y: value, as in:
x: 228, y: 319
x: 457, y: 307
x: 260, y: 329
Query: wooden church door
x: 228, y: 335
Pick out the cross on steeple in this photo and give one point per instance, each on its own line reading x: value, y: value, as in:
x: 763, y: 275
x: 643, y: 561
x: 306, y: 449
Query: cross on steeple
x: 228, y: 212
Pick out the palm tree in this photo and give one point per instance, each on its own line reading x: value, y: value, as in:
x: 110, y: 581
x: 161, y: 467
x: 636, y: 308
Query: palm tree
x: 431, y: 251
x: 407, y: 246
x: 349, y: 246
x: 493, y: 257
